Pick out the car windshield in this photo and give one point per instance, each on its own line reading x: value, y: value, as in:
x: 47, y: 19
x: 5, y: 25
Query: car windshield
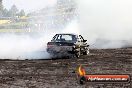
x: 64, y: 38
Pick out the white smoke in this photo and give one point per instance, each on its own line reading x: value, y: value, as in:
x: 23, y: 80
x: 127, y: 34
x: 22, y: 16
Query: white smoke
x: 72, y: 27
x: 106, y: 23
x: 22, y: 46
x: 26, y: 46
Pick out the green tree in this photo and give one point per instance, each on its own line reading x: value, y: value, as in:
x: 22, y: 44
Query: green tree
x: 5, y: 13
x: 1, y: 8
x: 13, y: 11
x: 21, y: 13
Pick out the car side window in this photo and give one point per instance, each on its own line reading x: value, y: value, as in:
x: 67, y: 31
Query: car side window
x: 74, y: 37
x: 55, y: 37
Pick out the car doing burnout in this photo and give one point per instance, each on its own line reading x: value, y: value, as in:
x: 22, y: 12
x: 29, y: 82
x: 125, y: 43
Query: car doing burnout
x: 67, y: 44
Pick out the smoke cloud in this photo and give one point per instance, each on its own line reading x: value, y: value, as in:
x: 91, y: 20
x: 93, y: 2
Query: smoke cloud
x: 106, y: 23
x: 72, y: 27
x: 22, y: 46
x: 27, y: 45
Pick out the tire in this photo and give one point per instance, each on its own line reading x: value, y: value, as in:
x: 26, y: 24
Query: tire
x: 86, y: 52
x: 73, y: 56
x: 78, y: 54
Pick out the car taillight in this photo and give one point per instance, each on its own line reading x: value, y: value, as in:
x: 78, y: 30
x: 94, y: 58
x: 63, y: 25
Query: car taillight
x: 49, y: 46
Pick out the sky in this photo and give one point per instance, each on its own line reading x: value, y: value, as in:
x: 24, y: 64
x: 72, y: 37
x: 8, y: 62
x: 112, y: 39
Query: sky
x: 28, y: 5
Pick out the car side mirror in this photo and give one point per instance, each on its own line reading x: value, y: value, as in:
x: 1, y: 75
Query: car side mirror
x: 84, y: 40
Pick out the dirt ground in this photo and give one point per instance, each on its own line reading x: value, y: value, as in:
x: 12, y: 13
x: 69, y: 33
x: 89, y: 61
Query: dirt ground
x: 60, y: 73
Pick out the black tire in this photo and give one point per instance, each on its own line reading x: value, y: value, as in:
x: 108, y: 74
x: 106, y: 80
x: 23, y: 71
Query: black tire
x: 86, y: 52
x: 73, y: 56
x: 78, y: 54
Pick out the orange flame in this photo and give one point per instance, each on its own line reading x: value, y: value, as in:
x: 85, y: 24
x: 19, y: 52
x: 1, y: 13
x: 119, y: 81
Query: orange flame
x: 81, y: 71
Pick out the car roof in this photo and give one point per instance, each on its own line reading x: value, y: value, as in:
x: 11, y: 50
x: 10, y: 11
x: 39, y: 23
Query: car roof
x: 66, y: 34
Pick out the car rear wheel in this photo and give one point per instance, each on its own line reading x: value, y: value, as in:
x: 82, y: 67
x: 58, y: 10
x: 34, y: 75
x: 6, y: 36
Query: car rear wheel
x: 86, y: 52
x: 78, y: 54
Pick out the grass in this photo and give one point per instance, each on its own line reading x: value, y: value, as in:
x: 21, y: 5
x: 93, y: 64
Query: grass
x: 14, y: 25
x: 8, y: 26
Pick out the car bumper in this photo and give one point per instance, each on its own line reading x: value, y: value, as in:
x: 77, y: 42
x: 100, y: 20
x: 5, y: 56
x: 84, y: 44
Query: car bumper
x: 63, y: 50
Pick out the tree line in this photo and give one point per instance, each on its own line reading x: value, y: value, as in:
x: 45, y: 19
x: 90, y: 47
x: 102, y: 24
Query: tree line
x: 12, y: 12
